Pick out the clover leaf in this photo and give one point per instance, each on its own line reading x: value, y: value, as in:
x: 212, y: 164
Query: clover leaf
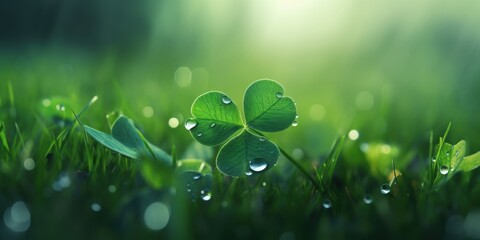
x: 128, y: 141
x: 216, y: 119
x: 266, y: 109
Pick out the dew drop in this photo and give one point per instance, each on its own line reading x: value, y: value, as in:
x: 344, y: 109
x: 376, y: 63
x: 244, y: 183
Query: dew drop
x: 279, y: 94
x: 294, y: 123
x: 29, y: 164
x: 258, y: 164
x: 212, y: 124
x: 46, y: 102
x: 156, y: 216
x: 190, y: 123
x: 434, y: 159
x: 367, y: 199
x: 248, y: 173
x: 327, y: 203
x: 196, y: 176
x: 206, y: 195
x: 262, y: 139
x: 444, y: 170
x: 296, y: 116
x: 226, y: 100
x: 173, y: 122
x: 457, y: 153
x: 199, y: 134
x: 96, y: 207
x: 17, y: 217
x: 264, y: 184
x: 60, y: 107
x: 385, y: 188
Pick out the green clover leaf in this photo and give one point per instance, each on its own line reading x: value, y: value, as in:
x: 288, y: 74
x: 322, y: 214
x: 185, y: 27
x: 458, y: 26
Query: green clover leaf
x: 266, y: 109
x: 217, y: 119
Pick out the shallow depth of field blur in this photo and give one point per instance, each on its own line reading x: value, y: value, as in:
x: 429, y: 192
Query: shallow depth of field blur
x: 393, y: 71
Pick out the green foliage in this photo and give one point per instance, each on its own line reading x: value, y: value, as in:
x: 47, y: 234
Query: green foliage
x: 448, y: 159
x: 217, y: 119
x: 128, y: 141
x: 196, y: 177
x: 3, y: 137
x: 246, y: 154
x: 451, y: 159
x: 110, y: 142
x: 326, y: 173
x: 266, y: 108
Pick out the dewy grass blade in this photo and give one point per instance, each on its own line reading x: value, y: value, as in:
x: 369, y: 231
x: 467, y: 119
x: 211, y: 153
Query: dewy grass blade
x: 3, y: 136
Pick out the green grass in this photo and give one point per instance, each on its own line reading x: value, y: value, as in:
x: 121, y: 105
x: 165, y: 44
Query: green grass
x: 376, y: 86
x: 277, y: 204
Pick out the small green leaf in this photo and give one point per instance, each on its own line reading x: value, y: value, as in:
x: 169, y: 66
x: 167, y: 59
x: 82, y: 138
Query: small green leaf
x: 158, y: 154
x: 266, y: 107
x: 216, y: 118
x: 469, y: 163
x: 111, y: 143
x: 112, y: 117
x: 246, y: 154
x: 124, y: 131
x: 196, y: 175
x: 458, y: 154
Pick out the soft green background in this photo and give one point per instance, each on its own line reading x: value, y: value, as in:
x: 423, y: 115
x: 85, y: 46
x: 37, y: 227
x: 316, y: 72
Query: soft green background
x: 392, y: 70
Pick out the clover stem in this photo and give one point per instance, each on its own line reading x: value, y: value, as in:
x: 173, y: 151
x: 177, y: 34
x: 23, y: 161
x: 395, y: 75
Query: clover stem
x: 295, y: 163
x: 300, y: 168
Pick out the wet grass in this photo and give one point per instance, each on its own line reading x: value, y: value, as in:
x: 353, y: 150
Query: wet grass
x: 78, y: 189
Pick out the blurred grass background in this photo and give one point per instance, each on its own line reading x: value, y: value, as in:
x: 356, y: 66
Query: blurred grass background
x: 394, y: 70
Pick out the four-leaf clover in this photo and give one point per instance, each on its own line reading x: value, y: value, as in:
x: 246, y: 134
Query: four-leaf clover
x: 217, y: 119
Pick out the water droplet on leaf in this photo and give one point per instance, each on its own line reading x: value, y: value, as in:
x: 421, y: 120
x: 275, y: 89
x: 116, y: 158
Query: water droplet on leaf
x: 248, y: 173
x: 196, y: 176
x: 226, y: 100
x: 444, y: 170
x: 385, y: 188
x: 262, y: 139
x: 434, y: 159
x: 199, y: 134
x: 367, y: 199
x: 190, y: 123
x: 212, y: 124
x: 279, y: 95
x: 206, y: 195
x: 258, y: 164
x: 294, y: 123
x: 327, y: 203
